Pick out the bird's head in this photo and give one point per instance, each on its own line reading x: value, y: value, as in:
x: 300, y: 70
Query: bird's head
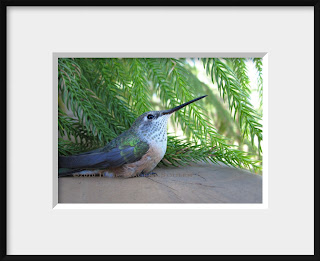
x: 156, y: 121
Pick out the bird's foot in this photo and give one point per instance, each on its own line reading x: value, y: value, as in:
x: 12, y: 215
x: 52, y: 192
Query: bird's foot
x: 148, y: 174
x: 107, y: 174
x: 86, y: 173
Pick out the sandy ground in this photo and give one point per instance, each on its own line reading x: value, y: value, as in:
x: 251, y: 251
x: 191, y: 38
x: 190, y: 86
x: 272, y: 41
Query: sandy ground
x: 201, y: 183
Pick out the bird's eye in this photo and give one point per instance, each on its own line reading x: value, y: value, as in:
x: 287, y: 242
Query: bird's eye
x: 150, y: 116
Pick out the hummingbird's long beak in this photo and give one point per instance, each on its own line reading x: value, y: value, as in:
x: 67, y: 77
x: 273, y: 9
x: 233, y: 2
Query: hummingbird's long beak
x: 181, y: 106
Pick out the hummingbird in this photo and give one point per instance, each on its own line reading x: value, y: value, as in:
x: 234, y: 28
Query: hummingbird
x: 135, y: 152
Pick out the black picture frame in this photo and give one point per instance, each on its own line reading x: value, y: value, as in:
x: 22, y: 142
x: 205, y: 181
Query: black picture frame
x: 3, y: 72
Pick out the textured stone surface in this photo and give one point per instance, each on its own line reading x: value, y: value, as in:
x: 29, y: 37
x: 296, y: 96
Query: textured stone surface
x: 201, y: 183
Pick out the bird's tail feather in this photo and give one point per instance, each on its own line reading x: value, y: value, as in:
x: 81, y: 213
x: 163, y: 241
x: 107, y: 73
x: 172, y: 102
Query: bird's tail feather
x: 83, y: 160
x: 64, y: 172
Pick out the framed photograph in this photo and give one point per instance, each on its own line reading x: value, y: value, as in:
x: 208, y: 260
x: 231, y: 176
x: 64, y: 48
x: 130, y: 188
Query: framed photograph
x: 114, y: 124
x: 162, y: 125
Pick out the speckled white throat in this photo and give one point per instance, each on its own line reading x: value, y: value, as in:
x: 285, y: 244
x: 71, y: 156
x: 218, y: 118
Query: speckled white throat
x: 156, y: 134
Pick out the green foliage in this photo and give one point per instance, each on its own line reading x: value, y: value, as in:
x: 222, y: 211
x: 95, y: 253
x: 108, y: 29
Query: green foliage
x: 258, y: 64
x: 235, y: 89
x: 101, y: 98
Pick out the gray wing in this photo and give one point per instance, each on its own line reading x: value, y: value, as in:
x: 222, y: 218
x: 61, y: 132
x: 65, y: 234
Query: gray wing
x: 114, y: 157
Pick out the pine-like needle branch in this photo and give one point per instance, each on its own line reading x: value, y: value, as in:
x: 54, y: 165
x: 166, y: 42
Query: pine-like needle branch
x: 237, y: 93
x: 258, y: 64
